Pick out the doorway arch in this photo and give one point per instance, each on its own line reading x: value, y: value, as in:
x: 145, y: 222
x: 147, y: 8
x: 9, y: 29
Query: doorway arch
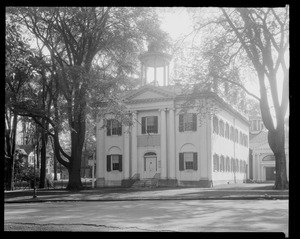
x: 150, y: 164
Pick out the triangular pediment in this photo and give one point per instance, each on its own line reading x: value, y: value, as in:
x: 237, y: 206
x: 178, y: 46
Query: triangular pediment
x: 149, y: 92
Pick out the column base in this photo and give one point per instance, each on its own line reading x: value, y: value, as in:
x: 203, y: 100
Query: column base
x: 167, y: 182
x: 127, y: 183
x: 100, y: 182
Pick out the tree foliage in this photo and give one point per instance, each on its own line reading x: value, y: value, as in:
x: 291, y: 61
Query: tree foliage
x: 257, y: 38
x: 92, y: 56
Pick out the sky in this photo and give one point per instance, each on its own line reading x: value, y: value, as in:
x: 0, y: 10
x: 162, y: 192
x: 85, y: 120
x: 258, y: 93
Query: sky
x: 177, y: 22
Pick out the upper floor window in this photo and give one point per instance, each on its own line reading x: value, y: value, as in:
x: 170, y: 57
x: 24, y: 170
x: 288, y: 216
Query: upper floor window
x: 215, y: 125
x: 256, y: 125
x: 241, y: 138
x: 231, y: 133
x: 227, y: 131
x: 188, y: 161
x: 150, y: 124
x: 187, y: 122
x: 236, y: 136
x: 222, y: 128
x: 113, y: 127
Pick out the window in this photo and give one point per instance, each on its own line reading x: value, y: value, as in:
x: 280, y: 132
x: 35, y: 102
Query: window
x: 232, y: 165
x: 216, y: 162
x: 227, y: 164
x: 187, y: 122
x: 241, y: 138
x: 222, y: 164
x: 113, y: 127
x: 150, y: 124
x: 215, y: 125
x: 232, y: 133
x: 227, y: 131
x: 222, y: 128
x: 254, y: 125
x: 114, y: 162
x: 241, y: 166
x: 236, y: 136
x: 188, y: 161
x: 237, y: 168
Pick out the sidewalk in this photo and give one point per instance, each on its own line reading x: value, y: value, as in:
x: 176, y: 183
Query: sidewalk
x: 221, y: 192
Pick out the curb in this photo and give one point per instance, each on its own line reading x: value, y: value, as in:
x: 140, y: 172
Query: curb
x: 278, y: 197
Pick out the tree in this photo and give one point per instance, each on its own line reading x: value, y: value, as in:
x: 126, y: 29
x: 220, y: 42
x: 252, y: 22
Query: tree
x: 76, y: 37
x: 260, y: 38
x: 18, y: 72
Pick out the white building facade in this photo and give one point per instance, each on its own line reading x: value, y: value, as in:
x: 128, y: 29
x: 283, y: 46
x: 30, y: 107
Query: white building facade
x: 173, y: 147
x: 262, y: 159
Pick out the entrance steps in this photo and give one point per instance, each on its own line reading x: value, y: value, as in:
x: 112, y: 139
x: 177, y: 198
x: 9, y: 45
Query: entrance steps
x: 147, y: 182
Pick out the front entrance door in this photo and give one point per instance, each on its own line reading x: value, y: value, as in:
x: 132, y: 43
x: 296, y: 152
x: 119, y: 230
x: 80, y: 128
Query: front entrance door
x: 270, y: 174
x: 150, y: 166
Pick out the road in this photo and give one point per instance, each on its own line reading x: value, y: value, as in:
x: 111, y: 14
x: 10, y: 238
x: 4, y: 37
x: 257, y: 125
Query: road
x: 163, y: 215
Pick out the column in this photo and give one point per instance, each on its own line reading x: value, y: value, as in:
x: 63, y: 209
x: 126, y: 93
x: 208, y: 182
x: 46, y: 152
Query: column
x: 155, y: 75
x: 163, y: 144
x: 164, y: 75
x: 171, y: 152
x: 126, y: 152
x: 100, y: 154
x: 142, y: 73
x: 168, y: 76
x: 134, y: 144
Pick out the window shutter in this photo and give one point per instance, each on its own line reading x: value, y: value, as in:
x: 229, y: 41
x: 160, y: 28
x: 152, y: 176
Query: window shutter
x: 120, y: 163
x: 108, y: 127
x: 108, y: 163
x: 181, y: 123
x: 181, y: 162
x: 194, y: 122
x: 195, y: 161
x: 143, y: 125
x: 155, y: 124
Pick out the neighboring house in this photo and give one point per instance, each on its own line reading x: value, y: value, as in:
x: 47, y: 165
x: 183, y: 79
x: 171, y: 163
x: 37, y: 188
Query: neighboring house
x: 261, y: 158
x: 171, y: 146
x: 29, y: 155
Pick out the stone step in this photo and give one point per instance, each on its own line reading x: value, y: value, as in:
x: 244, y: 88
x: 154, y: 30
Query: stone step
x: 145, y: 183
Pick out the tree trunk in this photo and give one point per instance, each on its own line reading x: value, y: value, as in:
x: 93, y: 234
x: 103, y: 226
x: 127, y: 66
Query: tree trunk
x: 54, y: 167
x: 75, y: 164
x: 74, y: 172
x: 42, y: 183
x: 276, y: 140
x: 10, y: 145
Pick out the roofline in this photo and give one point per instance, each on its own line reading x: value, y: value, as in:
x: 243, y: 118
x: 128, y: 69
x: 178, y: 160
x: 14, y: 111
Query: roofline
x: 221, y: 102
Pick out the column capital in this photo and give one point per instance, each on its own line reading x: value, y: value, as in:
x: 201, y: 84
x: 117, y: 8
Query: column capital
x: 172, y: 108
x: 162, y: 109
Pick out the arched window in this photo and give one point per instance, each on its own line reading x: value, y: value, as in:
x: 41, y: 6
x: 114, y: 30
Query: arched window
x: 227, y: 164
x: 149, y: 154
x: 241, y: 166
x: 237, y: 168
x: 232, y: 165
x: 216, y: 162
x: 215, y: 125
x: 222, y: 164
